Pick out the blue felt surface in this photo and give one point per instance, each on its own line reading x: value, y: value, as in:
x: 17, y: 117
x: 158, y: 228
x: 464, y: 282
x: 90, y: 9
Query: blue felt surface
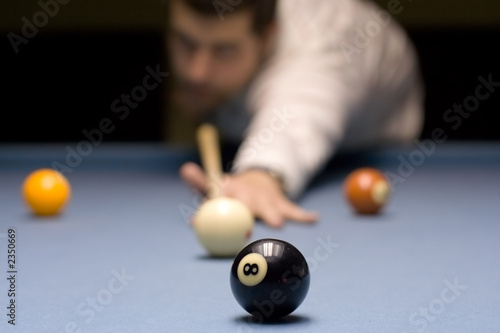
x: 128, y: 217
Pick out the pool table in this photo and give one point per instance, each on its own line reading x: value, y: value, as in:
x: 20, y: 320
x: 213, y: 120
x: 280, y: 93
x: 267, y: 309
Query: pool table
x: 123, y: 257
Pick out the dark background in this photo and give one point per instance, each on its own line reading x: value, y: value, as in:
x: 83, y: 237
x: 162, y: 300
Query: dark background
x: 64, y: 79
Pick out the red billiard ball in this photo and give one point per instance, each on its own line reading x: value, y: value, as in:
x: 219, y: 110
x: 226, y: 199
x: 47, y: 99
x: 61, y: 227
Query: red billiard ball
x: 367, y: 190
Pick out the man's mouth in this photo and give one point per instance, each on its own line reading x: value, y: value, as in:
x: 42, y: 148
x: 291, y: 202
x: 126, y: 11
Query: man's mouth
x: 198, y: 91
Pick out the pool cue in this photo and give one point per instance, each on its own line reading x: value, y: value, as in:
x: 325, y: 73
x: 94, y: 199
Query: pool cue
x: 208, y: 145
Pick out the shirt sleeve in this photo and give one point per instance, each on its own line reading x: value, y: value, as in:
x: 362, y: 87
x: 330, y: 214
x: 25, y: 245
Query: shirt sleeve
x: 333, y: 82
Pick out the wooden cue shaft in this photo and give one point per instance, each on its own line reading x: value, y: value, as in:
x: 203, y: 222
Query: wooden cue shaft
x: 208, y: 145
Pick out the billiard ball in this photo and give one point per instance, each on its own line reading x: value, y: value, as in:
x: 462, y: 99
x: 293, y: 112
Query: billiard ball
x: 46, y: 191
x: 269, y: 278
x: 223, y: 226
x: 367, y: 190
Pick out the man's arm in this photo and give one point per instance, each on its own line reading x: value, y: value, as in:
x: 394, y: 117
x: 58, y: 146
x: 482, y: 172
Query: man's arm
x: 324, y: 90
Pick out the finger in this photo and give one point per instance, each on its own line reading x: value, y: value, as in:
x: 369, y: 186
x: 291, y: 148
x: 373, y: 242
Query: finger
x: 295, y: 213
x: 194, y: 176
x: 270, y: 216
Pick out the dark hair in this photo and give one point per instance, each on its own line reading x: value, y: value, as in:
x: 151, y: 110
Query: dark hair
x: 263, y: 10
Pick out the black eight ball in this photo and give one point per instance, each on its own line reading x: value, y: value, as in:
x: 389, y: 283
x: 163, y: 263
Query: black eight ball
x: 269, y: 278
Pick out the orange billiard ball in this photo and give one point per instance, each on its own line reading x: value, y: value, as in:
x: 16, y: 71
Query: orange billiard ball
x: 367, y: 190
x: 46, y: 191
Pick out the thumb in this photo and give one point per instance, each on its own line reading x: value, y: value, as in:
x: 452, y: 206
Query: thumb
x: 194, y: 175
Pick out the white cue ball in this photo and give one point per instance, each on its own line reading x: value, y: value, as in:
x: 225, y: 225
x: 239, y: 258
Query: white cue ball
x: 223, y: 226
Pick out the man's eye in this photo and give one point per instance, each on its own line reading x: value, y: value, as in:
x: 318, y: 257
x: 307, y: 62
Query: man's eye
x: 225, y: 52
x: 185, y: 43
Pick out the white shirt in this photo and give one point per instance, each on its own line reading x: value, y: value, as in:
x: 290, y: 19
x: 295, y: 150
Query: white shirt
x: 344, y: 75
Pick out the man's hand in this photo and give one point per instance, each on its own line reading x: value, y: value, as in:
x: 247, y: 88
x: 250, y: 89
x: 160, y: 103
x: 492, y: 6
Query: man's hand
x: 260, y: 192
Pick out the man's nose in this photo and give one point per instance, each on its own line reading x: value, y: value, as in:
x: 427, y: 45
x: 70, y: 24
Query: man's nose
x: 199, y: 66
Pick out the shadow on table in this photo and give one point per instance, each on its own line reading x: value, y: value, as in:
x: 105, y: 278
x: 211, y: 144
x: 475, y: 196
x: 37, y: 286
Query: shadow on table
x: 207, y: 257
x: 382, y: 217
x: 34, y: 218
x: 287, y: 320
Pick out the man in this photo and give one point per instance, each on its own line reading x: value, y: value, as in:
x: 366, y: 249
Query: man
x: 295, y: 81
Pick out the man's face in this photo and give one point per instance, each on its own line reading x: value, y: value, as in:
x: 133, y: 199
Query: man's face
x: 213, y: 59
